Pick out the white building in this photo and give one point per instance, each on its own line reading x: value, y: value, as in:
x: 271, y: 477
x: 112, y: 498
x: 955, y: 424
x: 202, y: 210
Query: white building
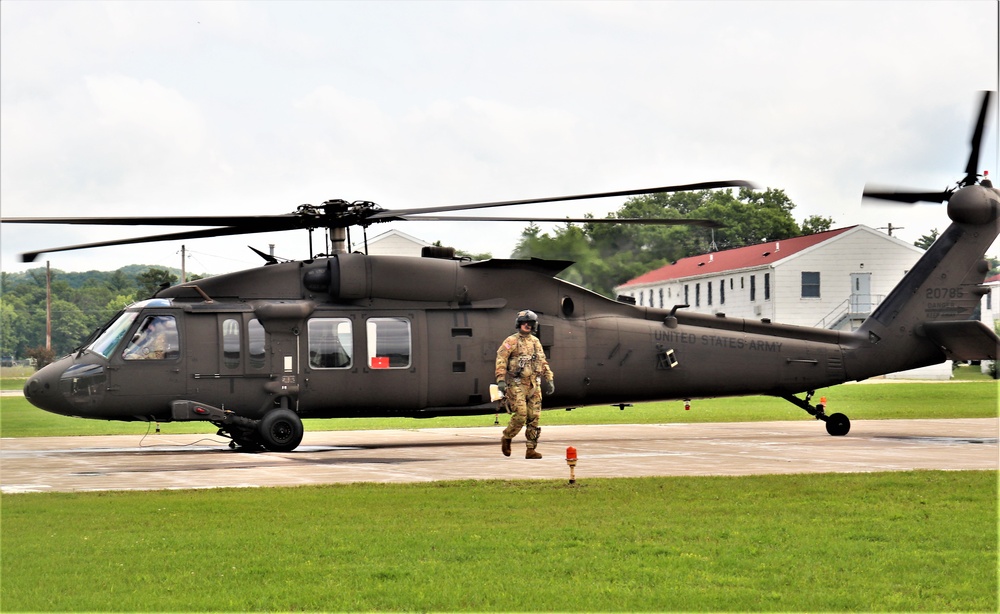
x: 990, y: 309
x: 831, y: 279
x: 394, y: 243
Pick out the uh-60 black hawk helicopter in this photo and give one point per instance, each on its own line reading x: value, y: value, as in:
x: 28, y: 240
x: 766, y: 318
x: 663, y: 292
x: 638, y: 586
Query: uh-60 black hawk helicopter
x: 348, y: 334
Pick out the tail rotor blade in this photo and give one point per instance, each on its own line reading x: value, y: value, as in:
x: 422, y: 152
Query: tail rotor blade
x: 977, y: 139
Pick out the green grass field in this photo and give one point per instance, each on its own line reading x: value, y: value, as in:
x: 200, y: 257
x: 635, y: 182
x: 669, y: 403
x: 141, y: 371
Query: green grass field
x: 911, y: 541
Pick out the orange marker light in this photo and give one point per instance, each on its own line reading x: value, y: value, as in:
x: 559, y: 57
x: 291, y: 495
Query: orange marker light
x: 571, y: 461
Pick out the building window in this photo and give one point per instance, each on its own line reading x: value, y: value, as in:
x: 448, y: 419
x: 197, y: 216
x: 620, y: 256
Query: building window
x: 708, y: 287
x: 722, y: 291
x: 810, y: 284
x: 697, y: 295
x: 661, y: 298
x: 686, y: 301
x: 753, y: 288
x: 767, y: 286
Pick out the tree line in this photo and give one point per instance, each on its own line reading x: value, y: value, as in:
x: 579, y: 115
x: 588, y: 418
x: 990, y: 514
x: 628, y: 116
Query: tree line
x: 607, y: 255
x: 81, y: 302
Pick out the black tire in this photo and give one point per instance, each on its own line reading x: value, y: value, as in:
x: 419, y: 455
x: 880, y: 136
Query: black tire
x: 280, y: 430
x: 838, y: 425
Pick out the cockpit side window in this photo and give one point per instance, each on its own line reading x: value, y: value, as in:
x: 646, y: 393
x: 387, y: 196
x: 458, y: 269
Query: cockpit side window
x: 156, y: 339
x: 106, y: 343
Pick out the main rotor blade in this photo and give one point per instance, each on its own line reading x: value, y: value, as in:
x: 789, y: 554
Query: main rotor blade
x: 708, y: 185
x: 903, y: 196
x: 579, y: 220
x: 977, y: 138
x: 194, y: 234
x: 269, y: 222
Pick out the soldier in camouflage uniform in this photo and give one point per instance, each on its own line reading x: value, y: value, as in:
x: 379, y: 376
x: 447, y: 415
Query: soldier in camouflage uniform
x: 520, y: 369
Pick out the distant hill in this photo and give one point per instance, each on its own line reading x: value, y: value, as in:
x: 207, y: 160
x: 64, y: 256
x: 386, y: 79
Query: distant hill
x: 78, y: 279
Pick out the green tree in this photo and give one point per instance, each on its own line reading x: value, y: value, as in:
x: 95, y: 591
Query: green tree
x: 151, y: 279
x: 815, y: 223
x: 925, y: 241
x: 607, y: 255
x: 12, y: 340
x: 69, y: 326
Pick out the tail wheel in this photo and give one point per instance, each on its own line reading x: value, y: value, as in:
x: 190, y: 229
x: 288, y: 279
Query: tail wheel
x: 280, y: 430
x: 838, y: 425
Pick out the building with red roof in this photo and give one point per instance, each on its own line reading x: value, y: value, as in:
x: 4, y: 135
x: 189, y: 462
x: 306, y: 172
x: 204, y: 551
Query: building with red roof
x: 830, y: 279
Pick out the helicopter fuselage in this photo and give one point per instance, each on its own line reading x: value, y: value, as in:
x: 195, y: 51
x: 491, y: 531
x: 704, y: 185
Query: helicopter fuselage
x: 331, y: 360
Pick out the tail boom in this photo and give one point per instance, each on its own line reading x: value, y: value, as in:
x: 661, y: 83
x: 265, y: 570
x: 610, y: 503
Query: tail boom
x: 927, y: 318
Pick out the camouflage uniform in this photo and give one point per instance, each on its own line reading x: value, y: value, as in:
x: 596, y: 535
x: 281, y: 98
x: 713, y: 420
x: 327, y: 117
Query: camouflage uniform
x: 522, y: 365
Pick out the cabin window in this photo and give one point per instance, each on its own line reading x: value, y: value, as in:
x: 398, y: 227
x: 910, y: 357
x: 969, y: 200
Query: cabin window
x: 767, y: 286
x: 810, y: 284
x: 156, y: 339
x: 331, y: 345
x: 388, y: 343
x: 231, y: 343
x: 255, y: 339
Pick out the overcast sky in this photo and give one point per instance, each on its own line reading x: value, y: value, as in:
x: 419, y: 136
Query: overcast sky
x: 194, y: 108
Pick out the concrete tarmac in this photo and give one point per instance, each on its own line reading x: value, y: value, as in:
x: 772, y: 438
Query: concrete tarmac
x: 167, y: 461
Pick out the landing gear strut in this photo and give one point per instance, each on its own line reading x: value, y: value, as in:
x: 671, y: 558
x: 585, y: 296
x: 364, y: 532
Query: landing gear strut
x: 837, y: 425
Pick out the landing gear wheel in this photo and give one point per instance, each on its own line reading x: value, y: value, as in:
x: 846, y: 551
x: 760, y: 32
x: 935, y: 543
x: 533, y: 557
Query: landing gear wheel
x: 280, y: 430
x: 838, y: 425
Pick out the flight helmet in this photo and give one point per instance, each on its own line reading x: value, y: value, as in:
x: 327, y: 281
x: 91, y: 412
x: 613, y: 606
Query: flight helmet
x: 526, y: 316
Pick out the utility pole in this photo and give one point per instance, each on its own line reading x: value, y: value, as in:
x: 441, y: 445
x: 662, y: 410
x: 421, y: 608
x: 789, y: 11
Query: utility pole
x: 48, y: 306
x: 183, y: 265
x: 890, y: 228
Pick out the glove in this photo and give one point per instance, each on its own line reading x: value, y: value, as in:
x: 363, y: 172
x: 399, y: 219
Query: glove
x: 550, y: 388
x: 502, y: 387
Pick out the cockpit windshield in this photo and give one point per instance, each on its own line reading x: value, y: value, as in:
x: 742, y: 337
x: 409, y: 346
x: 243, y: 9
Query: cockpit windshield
x: 105, y: 344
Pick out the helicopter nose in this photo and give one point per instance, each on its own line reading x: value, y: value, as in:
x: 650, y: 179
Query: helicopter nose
x: 65, y: 387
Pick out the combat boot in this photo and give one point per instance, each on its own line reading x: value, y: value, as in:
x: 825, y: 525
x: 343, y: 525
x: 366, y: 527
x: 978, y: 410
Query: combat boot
x: 531, y: 453
x: 505, y: 446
